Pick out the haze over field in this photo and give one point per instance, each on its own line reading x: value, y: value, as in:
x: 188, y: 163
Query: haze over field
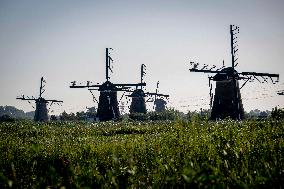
x: 66, y: 40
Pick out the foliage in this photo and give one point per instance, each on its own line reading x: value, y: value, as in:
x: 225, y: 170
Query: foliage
x: 15, y: 113
x: 170, y: 114
x: 277, y: 114
x: 139, y: 116
x: 160, y: 154
x: 6, y: 118
x: 79, y: 116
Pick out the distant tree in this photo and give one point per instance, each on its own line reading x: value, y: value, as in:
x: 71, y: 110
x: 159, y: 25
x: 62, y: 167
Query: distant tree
x: 64, y: 116
x: 263, y: 114
x: 15, y: 113
x: 81, y: 116
x: 91, y: 112
x: 277, y: 114
x: 2, y: 110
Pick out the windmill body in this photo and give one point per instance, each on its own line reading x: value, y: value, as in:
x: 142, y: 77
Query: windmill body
x: 227, y: 100
x: 160, y: 105
x: 108, y: 108
x: 224, y: 95
x: 138, y: 104
x: 108, y: 104
x: 159, y: 101
x: 41, y: 111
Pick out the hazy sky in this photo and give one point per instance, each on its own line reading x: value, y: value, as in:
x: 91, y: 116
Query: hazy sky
x: 65, y: 40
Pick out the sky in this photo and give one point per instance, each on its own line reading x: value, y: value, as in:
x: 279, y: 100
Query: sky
x: 65, y: 40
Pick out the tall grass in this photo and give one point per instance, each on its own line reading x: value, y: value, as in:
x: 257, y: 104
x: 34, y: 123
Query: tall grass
x: 173, y: 154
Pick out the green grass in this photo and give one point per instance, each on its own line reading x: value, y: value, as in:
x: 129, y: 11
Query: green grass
x: 175, y: 154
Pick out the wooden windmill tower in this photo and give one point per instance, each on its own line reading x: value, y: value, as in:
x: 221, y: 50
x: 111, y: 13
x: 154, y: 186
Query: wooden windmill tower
x: 107, y: 105
x: 138, y: 104
x: 227, y: 99
x: 41, y: 111
x: 158, y: 99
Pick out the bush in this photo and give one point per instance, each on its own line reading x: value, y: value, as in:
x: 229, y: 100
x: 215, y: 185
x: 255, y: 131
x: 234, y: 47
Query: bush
x: 6, y: 118
x: 277, y: 114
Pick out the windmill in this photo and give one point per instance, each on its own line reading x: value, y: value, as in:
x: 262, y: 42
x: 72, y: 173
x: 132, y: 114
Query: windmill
x: 41, y: 111
x: 138, y: 103
x: 227, y: 99
x: 159, y: 99
x: 107, y: 104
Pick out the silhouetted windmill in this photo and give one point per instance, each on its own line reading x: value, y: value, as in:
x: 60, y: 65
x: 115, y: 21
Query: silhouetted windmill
x: 138, y: 104
x: 41, y: 111
x: 107, y: 105
x: 227, y: 98
x: 159, y: 101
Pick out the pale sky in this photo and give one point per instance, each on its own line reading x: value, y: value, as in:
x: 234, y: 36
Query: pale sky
x: 65, y: 40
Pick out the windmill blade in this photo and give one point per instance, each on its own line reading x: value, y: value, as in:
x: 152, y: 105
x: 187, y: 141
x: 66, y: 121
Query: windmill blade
x: 43, y: 90
x: 204, y: 66
x: 265, y: 80
x: 248, y: 79
x: 121, y: 97
x: 94, y: 98
x: 110, y: 59
x: 150, y: 99
x: 281, y: 92
x: 73, y: 83
x: 273, y: 82
x: 212, y: 67
x: 211, y: 100
x: 257, y: 79
x: 88, y: 83
x: 111, y: 69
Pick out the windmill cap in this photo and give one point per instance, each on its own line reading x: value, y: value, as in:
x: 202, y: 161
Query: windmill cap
x: 138, y: 93
x: 107, y: 86
x: 225, y: 74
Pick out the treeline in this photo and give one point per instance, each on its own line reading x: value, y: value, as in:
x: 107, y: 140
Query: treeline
x: 14, y: 113
x: 78, y: 116
x: 10, y: 113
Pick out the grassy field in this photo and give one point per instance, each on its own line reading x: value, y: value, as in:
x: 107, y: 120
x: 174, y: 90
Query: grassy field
x: 196, y: 154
